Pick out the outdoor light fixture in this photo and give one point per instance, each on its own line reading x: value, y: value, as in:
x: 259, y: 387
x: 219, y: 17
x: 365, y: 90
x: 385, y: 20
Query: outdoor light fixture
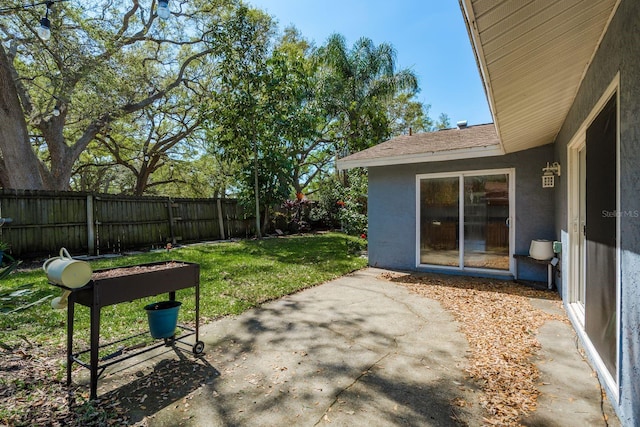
x: 163, y: 9
x: 56, y: 111
x: 549, y: 173
x: 44, y: 30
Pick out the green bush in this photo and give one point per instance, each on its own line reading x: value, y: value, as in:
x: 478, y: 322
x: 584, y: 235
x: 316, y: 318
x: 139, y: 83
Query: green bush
x: 340, y: 206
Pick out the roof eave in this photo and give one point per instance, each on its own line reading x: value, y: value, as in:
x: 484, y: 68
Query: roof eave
x: 434, y: 156
x: 507, y: 115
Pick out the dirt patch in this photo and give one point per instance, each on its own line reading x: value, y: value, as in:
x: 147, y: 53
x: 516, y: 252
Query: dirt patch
x: 500, y: 324
x: 136, y: 269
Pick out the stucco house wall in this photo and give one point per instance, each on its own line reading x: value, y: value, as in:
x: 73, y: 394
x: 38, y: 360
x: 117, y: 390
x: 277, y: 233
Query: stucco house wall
x: 392, y: 206
x: 619, y: 51
x: 543, y: 213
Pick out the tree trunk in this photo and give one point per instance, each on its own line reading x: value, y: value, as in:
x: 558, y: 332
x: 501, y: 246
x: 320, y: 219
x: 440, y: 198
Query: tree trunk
x: 21, y: 164
x: 62, y: 156
x: 142, y: 179
x: 265, y: 222
x: 256, y: 189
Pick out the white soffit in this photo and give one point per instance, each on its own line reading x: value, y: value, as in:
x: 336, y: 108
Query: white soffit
x: 532, y: 56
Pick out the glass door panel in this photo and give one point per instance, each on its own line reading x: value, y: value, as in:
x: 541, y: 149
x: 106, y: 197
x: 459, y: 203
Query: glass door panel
x: 439, y: 221
x: 486, y: 221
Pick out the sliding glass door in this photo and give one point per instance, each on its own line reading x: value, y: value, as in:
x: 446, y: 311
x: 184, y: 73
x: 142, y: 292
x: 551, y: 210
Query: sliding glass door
x: 465, y: 220
x: 439, y: 221
x: 486, y: 221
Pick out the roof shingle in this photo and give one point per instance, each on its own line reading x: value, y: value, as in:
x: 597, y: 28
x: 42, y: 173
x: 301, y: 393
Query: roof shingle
x: 429, y: 142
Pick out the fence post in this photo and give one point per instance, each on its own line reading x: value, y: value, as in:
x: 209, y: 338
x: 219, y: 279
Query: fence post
x: 91, y: 231
x: 171, y: 221
x: 220, y: 218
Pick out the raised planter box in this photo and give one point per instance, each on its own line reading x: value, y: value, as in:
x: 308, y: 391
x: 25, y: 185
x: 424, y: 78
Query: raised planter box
x: 125, y: 284
x: 138, y: 281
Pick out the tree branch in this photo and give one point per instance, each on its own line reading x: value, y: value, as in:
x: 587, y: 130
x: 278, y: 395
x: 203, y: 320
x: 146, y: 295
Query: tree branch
x: 129, y: 108
x: 166, y: 181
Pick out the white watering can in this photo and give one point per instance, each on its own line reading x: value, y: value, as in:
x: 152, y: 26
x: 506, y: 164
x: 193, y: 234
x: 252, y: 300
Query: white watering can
x: 68, y: 272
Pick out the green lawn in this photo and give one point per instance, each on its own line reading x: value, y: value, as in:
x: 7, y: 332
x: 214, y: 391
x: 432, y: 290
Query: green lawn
x: 233, y: 278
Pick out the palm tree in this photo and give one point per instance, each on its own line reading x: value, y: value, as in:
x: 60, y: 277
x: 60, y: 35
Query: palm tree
x: 357, y: 84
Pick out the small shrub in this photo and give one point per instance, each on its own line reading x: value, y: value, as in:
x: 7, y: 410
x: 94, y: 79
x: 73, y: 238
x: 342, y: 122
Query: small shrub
x: 356, y: 247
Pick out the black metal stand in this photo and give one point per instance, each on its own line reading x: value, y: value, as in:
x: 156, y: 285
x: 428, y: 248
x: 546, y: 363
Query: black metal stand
x: 113, y: 290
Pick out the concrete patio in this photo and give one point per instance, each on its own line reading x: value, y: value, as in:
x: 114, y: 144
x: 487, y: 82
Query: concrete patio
x: 355, y: 351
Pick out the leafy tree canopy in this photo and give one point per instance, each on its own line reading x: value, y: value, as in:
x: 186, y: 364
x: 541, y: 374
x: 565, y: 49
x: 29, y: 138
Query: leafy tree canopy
x: 106, y: 61
x: 209, y: 102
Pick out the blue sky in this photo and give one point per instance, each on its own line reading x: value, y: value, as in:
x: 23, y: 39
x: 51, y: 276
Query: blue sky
x: 429, y: 37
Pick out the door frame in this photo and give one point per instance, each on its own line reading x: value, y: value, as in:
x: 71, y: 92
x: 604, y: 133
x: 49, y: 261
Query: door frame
x: 574, y: 309
x: 575, y: 252
x: 511, y: 173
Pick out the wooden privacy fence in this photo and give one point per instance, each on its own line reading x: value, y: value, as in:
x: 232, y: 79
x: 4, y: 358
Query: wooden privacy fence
x: 43, y: 221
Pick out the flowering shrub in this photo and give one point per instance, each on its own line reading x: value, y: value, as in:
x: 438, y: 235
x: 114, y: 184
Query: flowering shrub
x: 295, y: 214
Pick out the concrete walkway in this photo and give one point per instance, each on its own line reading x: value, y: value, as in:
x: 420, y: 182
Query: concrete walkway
x: 354, y: 351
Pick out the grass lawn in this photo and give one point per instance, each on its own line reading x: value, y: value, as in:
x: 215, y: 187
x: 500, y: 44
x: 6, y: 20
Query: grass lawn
x: 233, y: 277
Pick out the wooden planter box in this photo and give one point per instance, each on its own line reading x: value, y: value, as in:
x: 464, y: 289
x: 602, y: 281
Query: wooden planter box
x: 135, y: 284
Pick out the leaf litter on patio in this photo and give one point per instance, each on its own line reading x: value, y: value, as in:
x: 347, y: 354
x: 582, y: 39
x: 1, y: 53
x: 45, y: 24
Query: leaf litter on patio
x: 500, y: 325
x: 33, y: 393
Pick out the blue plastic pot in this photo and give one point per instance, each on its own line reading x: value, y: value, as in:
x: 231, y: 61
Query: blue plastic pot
x: 163, y: 318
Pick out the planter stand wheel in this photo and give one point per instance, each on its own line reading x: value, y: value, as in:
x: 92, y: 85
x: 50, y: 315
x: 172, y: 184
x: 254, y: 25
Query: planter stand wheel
x: 198, y: 348
x: 170, y: 341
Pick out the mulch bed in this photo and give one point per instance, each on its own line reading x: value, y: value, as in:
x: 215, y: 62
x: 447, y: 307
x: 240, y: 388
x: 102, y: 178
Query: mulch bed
x: 500, y: 325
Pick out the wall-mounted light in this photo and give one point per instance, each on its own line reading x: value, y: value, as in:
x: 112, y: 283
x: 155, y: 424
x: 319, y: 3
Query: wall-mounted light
x: 163, y: 9
x: 549, y: 174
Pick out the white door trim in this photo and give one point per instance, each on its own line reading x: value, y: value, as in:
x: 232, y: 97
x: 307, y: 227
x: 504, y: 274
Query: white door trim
x: 576, y: 314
